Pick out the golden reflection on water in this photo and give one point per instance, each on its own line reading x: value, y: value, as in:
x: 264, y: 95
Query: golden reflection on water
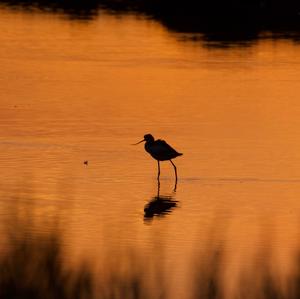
x: 76, y: 91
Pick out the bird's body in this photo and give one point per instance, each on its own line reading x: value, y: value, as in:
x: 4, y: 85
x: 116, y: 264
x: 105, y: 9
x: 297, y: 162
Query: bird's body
x: 160, y: 151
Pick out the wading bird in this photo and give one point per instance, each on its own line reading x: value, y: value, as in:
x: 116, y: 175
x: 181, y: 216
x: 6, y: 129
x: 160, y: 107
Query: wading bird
x: 160, y: 151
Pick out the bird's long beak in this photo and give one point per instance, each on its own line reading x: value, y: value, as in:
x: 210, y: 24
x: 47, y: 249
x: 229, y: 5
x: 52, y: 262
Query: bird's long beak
x: 138, y: 142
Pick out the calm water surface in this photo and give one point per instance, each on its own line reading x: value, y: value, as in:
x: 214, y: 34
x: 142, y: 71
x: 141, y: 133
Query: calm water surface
x: 76, y: 90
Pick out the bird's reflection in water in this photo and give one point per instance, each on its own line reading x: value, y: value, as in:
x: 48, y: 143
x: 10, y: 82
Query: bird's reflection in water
x: 159, y: 205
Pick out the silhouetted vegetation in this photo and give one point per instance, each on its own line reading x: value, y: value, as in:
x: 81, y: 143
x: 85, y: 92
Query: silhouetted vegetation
x: 33, y: 269
x: 33, y: 266
x: 218, y: 19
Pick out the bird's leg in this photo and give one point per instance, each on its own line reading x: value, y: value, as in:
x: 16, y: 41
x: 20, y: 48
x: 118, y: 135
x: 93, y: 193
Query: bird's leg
x: 158, y: 174
x: 175, y: 173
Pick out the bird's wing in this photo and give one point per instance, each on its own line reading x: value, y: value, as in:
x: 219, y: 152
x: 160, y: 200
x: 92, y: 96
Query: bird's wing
x: 165, y: 147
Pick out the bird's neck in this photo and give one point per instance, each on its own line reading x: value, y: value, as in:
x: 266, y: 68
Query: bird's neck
x: 148, y: 144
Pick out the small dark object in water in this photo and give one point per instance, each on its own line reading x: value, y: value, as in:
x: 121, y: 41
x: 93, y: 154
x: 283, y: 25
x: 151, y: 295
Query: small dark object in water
x: 86, y: 162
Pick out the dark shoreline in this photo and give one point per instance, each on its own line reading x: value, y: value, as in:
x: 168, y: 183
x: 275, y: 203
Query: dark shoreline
x: 218, y: 20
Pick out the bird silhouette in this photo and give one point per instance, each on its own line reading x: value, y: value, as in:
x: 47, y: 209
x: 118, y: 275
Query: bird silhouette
x: 160, y: 151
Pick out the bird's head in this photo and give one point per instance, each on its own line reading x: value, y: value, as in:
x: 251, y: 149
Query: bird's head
x: 147, y: 138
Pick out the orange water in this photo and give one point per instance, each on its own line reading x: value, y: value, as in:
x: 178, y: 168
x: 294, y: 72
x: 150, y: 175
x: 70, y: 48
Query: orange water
x: 74, y: 90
